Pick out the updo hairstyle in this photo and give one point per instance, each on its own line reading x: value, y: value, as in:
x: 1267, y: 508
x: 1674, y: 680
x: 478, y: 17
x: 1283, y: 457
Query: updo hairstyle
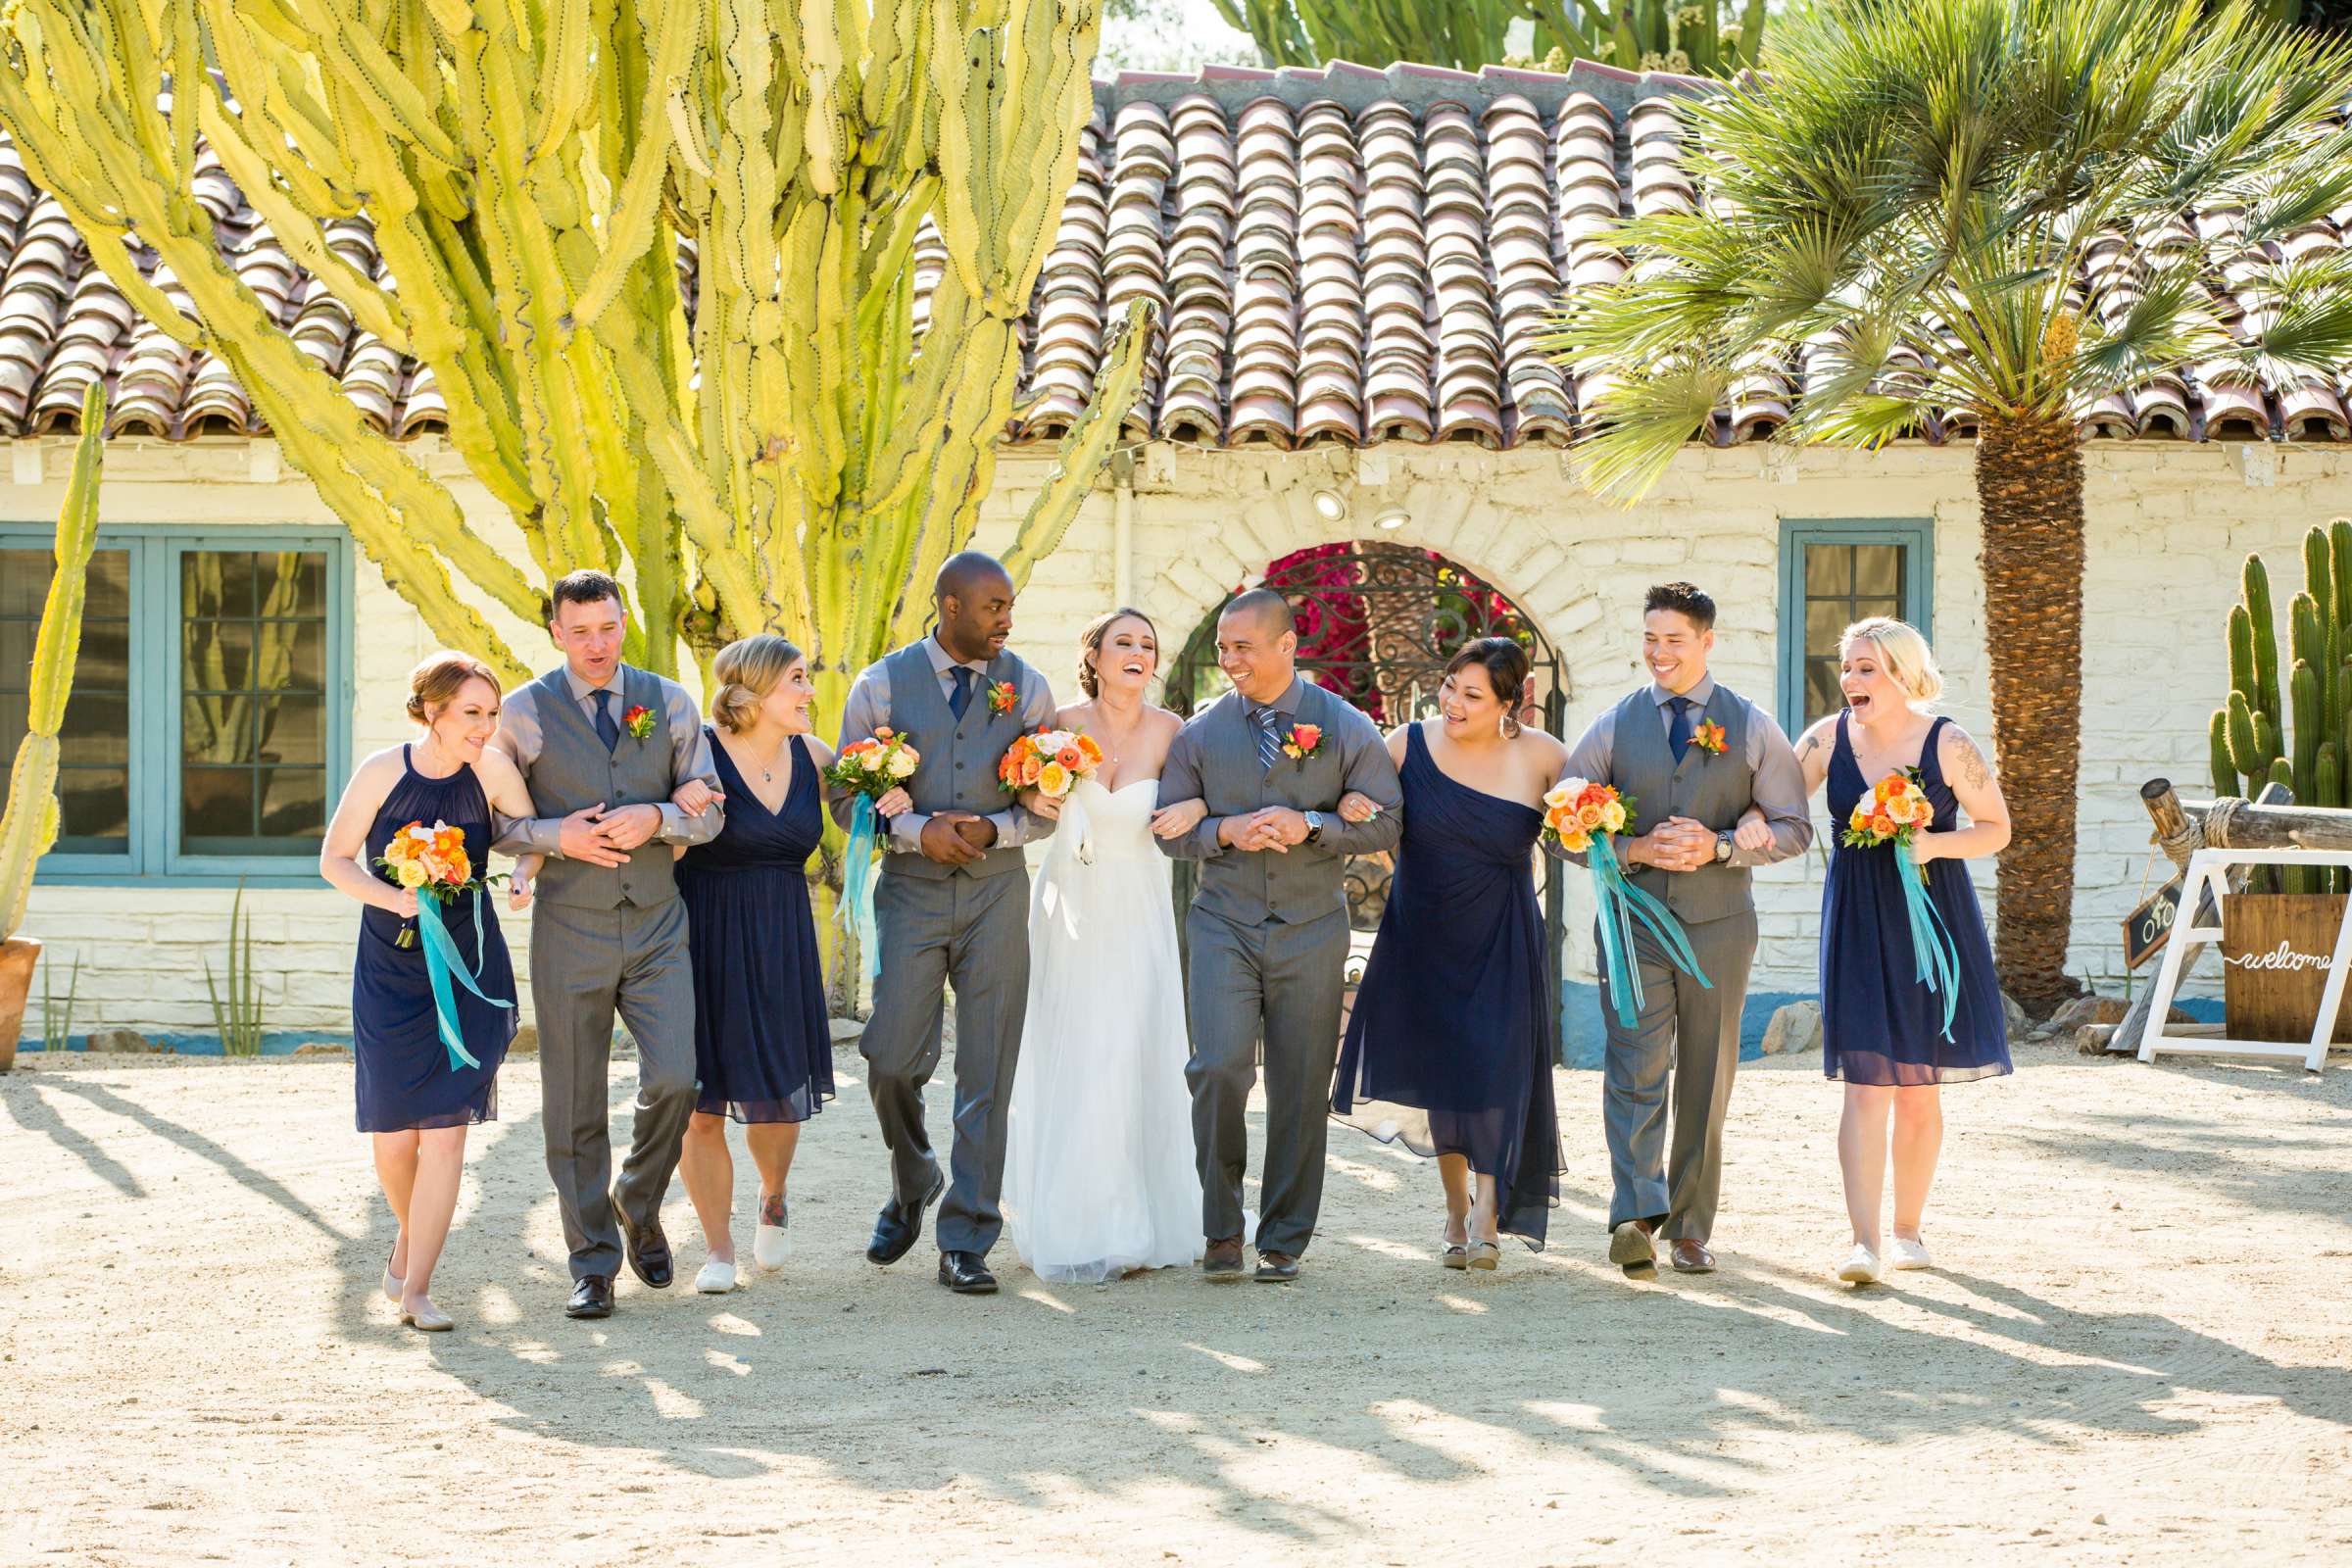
x: 747, y: 670
x: 1506, y: 665
x: 434, y: 684
x: 1090, y: 645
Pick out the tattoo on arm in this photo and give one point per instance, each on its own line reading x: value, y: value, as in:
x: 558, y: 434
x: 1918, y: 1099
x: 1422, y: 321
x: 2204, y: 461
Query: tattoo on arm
x: 1972, y: 763
x: 1812, y: 744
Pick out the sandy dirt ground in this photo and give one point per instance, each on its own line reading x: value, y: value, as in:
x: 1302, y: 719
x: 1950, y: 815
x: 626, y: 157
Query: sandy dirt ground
x: 2135, y: 1350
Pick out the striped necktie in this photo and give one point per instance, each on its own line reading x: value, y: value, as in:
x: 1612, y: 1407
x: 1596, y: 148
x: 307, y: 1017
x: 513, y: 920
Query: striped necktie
x: 1269, y: 744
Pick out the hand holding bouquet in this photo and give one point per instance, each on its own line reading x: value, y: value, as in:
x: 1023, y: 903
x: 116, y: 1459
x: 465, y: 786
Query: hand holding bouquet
x: 1895, y: 813
x: 1051, y: 761
x: 870, y: 770
x: 874, y: 766
x: 1575, y: 809
x: 432, y: 864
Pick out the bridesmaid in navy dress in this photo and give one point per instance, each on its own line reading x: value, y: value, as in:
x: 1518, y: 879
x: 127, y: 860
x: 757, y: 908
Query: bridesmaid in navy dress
x: 1451, y: 1044
x: 763, y: 1054
x: 1882, y: 1030
x: 414, y: 1098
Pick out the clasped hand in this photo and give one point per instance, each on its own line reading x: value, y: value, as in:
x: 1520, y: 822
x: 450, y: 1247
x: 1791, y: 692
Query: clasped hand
x: 598, y: 836
x: 1270, y: 827
x: 957, y: 838
x: 1678, y: 844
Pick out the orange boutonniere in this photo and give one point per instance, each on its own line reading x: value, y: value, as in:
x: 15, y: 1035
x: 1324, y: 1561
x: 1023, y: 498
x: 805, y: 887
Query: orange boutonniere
x: 1708, y: 738
x: 1002, y: 697
x: 639, y: 721
x: 1304, y: 741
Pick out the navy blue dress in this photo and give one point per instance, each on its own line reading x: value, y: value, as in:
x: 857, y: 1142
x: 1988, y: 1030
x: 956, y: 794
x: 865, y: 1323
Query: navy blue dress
x: 405, y: 1078
x: 762, y: 1049
x: 1450, y: 1046
x: 1879, y: 1024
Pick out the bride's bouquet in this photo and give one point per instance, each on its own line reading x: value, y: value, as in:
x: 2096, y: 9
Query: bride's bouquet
x: 1893, y: 813
x: 432, y: 864
x: 1584, y: 816
x: 866, y: 770
x: 1051, y: 761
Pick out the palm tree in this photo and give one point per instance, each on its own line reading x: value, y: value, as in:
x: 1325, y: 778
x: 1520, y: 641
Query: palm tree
x: 1991, y: 214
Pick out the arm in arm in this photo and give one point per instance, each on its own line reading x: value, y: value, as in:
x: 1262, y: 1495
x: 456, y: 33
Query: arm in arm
x: 1180, y: 780
x: 1369, y: 770
x: 866, y: 711
x: 1590, y: 759
x: 519, y: 738
x: 1781, y: 791
x: 689, y: 759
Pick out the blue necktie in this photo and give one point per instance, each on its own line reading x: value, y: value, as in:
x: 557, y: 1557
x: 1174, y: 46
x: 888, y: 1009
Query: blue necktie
x: 960, y: 698
x: 1678, y: 734
x: 1269, y: 745
x: 607, y: 728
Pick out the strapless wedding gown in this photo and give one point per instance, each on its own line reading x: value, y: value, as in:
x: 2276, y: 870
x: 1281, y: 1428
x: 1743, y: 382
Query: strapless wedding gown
x: 1098, y: 1172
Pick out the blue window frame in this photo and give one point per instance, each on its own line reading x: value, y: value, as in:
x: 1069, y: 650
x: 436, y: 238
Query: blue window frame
x: 209, y: 731
x: 1834, y: 571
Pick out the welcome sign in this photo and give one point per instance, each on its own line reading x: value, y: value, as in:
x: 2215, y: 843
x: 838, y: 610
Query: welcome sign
x: 2277, y: 950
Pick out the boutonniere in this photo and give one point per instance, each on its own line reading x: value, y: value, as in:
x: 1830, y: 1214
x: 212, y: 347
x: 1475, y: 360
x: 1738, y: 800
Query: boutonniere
x: 1304, y: 741
x: 639, y: 721
x: 1002, y: 697
x: 1708, y: 738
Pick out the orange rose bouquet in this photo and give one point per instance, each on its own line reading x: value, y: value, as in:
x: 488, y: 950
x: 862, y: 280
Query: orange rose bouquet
x: 1584, y: 816
x: 1575, y: 809
x: 866, y: 770
x: 1895, y: 811
x: 1051, y: 761
x: 432, y: 863
x: 872, y: 768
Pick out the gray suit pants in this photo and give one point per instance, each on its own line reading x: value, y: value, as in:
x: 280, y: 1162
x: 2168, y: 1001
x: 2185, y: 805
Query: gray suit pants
x: 1696, y: 1030
x: 972, y: 931
x: 1284, y: 980
x: 586, y: 964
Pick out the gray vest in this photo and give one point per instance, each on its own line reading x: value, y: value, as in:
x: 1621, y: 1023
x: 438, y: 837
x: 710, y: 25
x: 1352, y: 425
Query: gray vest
x: 574, y: 771
x: 1703, y: 787
x: 1310, y: 880
x: 959, y: 767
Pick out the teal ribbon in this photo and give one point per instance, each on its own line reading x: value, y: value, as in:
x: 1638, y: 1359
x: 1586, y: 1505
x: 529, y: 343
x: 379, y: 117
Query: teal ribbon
x: 442, y: 962
x: 1621, y: 905
x: 855, y: 915
x: 1936, y: 959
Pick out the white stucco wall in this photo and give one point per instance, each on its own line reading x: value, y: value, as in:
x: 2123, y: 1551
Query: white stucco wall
x: 2168, y: 524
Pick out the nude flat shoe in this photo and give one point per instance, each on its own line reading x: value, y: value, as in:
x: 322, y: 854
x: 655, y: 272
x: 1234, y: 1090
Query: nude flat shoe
x: 427, y: 1319
x: 394, y: 1286
x: 1862, y: 1267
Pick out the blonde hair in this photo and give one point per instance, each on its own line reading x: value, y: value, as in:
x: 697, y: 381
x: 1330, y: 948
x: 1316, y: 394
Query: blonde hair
x: 434, y: 684
x: 1903, y: 652
x: 747, y: 669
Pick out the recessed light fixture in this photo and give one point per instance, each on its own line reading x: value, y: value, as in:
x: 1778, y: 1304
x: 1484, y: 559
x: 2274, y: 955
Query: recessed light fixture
x: 1331, y: 504
x: 1394, y: 517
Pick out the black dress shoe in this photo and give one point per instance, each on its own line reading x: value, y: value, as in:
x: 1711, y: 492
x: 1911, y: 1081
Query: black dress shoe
x: 648, y: 1249
x: 966, y: 1274
x: 899, y: 1224
x: 590, y: 1296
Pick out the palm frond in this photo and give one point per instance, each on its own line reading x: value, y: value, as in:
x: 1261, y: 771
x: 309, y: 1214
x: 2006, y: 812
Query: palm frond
x: 1642, y: 422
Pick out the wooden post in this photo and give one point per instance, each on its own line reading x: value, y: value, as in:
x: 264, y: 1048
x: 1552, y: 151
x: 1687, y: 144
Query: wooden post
x: 2230, y: 823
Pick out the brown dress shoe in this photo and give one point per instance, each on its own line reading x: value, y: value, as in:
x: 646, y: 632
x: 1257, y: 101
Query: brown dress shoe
x: 1223, y: 1259
x: 1631, y: 1249
x: 1277, y: 1268
x: 1691, y: 1257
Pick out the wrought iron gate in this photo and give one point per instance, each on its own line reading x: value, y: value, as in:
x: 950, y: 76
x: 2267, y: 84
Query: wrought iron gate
x: 1377, y: 624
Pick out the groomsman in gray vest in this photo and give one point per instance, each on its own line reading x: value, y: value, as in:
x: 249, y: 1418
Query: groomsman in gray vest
x: 952, y: 906
x: 602, y: 746
x: 1687, y: 785
x: 1267, y: 931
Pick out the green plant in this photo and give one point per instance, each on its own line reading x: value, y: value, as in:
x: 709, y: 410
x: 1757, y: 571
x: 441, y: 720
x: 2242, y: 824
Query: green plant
x: 29, y: 827
x: 2304, y: 742
x: 1969, y: 211
x: 57, y: 1024
x: 1686, y: 36
x: 238, y: 1017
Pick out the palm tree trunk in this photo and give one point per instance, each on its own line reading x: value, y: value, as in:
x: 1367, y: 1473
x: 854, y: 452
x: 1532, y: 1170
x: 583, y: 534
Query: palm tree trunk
x: 2029, y: 491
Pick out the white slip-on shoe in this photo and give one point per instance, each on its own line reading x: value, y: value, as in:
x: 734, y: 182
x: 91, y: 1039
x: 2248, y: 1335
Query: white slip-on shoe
x: 716, y: 1279
x: 1863, y: 1268
x: 771, y: 1245
x: 428, y: 1319
x: 394, y: 1286
x: 1909, y: 1255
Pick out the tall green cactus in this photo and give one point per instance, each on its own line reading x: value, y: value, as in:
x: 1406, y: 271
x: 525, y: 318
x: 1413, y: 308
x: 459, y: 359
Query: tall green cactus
x: 29, y: 824
x: 773, y: 451
x: 1708, y: 37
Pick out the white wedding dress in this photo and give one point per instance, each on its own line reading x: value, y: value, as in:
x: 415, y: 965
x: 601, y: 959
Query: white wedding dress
x: 1098, y: 1174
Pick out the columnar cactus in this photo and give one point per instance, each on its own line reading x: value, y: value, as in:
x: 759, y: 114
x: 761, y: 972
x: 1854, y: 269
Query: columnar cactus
x: 778, y: 450
x: 30, y: 825
x: 2249, y: 738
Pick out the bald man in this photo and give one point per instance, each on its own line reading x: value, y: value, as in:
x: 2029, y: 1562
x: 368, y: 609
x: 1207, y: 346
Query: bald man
x: 1267, y: 932
x: 952, y: 904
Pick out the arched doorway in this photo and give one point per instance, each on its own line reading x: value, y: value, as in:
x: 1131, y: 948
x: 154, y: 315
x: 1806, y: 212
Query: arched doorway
x: 1377, y: 624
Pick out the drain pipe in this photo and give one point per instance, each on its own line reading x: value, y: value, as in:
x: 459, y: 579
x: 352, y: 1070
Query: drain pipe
x: 1122, y: 526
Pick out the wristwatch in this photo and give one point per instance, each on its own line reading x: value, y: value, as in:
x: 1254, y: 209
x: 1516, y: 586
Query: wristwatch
x: 1314, y: 826
x: 1722, y: 846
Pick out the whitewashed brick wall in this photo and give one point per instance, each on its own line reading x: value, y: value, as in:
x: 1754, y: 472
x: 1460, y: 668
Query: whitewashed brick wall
x: 2169, y: 525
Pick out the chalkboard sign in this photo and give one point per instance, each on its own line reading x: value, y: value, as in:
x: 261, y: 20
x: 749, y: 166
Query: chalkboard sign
x: 2147, y: 929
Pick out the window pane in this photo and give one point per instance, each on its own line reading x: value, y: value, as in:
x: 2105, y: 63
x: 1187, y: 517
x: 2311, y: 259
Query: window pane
x: 1829, y: 569
x: 1879, y: 607
x: 97, y: 728
x: 17, y: 637
x: 24, y: 581
x: 15, y: 712
x: 102, y: 662
x: 253, y: 717
x: 1824, y: 621
x: 1821, y: 688
x: 95, y: 807
x: 1878, y: 569
x: 93, y: 784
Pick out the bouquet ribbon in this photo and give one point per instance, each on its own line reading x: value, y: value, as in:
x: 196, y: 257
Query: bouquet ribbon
x: 1935, y: 961
x: 1621, y: 904
x: 855, y: 914
x: 443, y: 962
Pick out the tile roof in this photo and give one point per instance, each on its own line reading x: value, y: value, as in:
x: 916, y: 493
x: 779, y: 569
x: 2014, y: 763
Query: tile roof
x: 1337, y: 256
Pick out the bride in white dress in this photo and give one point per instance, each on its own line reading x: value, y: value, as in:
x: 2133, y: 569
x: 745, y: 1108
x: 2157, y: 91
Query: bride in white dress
x: 1099, y: 1171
